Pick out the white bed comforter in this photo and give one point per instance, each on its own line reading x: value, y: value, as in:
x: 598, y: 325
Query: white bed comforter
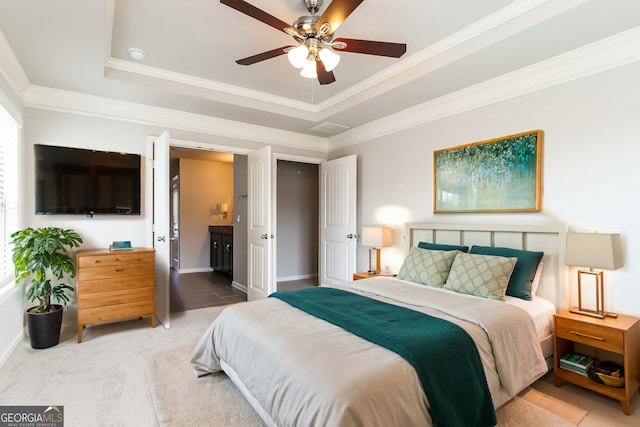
x: 303, y: 371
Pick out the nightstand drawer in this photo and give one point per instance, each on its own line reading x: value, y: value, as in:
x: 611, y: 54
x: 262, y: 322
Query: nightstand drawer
x: 590, y: 334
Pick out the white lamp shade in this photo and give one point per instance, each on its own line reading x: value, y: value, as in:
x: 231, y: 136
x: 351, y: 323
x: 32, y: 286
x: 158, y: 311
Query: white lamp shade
x: 594, y: 250
x: 298, y: 56
x: 309, y: 70
x: 377, y: 237
x: 329, y: 58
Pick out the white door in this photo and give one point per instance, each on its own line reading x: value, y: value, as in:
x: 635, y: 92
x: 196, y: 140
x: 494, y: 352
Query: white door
x: 161, y: 231
x: 338, y: 234
x: 260, y: 280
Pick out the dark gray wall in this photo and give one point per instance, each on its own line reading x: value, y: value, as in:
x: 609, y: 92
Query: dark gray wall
x: 297, y: 220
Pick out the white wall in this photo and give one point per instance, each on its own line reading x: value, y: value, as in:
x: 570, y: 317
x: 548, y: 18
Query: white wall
x: 42, y: 127
x: 75, y: 130
x: 591, y: 154
x: 85, y: 131
x: 203, y: 186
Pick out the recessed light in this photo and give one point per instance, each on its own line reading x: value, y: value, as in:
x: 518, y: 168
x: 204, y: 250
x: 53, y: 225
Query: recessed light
x: 137, y: 54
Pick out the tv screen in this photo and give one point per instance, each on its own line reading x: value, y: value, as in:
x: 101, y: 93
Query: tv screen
x: 86, y: 182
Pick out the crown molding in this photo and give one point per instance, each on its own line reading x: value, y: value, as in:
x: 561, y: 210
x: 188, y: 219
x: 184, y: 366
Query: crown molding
x: 512, y: 19
x: 600, y: 56
x: 603, y: 55
x: 209, y: 89
x: 89, y: 105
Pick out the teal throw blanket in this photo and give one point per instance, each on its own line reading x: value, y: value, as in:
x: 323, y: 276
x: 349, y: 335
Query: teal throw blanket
x: 443, y: 354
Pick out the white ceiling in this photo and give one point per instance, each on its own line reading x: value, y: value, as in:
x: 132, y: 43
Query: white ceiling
x: 81, y: 46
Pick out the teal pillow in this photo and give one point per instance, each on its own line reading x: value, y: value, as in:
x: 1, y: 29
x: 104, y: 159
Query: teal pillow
x: 442, y: 247
x: 485, y: 276
x: 426, y: 267
x: 520, y: 284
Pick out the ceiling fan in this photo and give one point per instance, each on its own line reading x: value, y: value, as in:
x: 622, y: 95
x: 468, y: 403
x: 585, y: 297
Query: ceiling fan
x: 314, y: 51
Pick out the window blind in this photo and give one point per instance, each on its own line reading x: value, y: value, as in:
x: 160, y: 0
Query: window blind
x: 8, y: 192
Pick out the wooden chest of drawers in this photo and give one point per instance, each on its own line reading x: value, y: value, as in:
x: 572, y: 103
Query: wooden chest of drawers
x: 115, y: 285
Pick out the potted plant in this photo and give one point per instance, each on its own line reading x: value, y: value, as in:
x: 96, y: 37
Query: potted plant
x: 41, y: 254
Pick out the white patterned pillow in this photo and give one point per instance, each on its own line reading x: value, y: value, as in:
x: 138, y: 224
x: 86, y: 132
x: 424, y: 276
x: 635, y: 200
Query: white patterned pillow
x: 485, y: 276
x: 426, y: 266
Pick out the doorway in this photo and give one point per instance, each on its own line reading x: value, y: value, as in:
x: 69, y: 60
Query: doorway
x: 297, y: 207
x: 192, y: 148
x: 202, y: 196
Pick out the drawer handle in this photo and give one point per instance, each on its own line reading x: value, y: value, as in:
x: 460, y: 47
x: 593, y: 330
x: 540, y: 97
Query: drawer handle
x: 587, y: 336
x: 119, y: 270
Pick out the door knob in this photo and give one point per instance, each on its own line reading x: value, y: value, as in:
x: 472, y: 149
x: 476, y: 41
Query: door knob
x: 264, y: 236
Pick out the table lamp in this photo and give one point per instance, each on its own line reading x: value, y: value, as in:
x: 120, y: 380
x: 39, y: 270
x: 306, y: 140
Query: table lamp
x: 376, y: 237
x: 593, y: 250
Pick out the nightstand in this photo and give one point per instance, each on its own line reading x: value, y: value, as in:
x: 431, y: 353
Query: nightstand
x: 366, y: 275
x: 591, y: 336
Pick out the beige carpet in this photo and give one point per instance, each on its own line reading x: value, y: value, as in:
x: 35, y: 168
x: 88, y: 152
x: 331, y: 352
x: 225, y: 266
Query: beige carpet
x: 182, y: 399
x: 102, y: 381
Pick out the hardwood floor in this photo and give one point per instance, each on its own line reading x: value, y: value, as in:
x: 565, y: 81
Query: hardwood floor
x: 602, y: 411
x: 189, y: 291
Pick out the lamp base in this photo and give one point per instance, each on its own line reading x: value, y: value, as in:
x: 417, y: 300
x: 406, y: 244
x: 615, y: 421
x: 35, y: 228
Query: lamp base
x: 374, y: 261
x: 590, y: 313
x: 593, y: 313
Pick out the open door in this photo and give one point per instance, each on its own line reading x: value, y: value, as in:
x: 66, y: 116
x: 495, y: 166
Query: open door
x: 260, y: 280
x: 338, y: 234
x: 161, y: 231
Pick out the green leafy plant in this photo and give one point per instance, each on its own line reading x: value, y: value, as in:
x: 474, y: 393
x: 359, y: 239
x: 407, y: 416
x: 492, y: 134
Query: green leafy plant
x: 42, y: 255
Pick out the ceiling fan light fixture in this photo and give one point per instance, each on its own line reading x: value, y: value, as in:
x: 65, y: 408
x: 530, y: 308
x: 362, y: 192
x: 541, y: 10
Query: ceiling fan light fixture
x: 309, y: 70
x: 329, y: 58
x: 298, y: 56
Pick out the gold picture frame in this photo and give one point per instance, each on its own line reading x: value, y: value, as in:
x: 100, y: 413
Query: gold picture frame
x: 497, y: 175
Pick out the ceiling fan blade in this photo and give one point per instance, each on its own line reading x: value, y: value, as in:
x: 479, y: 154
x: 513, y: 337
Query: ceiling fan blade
x: 337, y: 12
x: 254, y: 12
x: 262, y: 56
x: 368, y: 47
x: 324, y: 77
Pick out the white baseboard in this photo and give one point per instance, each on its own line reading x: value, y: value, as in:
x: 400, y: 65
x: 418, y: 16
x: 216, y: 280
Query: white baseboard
x: 195, y: 270
x: 297, y: 277
x: 239, y: 286
x: 9, y: 351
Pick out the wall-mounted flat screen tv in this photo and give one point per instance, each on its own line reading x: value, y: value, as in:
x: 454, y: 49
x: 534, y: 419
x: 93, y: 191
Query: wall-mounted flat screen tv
x: 74, y: 181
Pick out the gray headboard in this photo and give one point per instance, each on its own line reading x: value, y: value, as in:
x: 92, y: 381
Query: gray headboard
x: 551, y: 239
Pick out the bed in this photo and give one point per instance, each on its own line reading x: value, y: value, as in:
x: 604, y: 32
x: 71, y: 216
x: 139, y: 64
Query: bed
x: 301, y: 369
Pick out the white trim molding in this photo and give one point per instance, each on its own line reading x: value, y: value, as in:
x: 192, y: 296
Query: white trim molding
x: 603, y: 55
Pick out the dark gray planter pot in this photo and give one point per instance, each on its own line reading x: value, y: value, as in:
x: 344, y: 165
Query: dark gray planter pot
x: 44, y: 328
